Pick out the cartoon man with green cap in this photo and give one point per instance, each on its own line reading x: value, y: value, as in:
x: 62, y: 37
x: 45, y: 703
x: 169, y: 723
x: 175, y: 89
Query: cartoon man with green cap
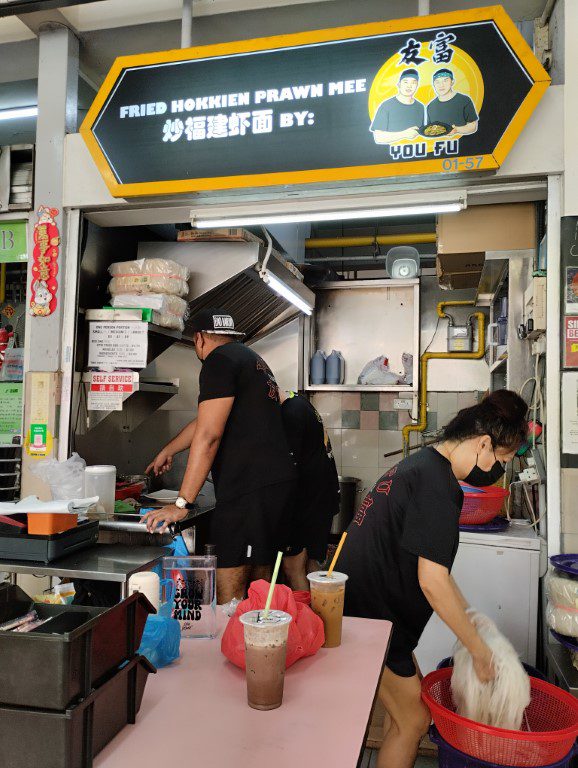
x: 400, y: 116
x: 451, y: 107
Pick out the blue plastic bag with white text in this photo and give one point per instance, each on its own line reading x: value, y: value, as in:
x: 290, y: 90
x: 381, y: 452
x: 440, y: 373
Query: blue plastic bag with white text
x: 161, y: 640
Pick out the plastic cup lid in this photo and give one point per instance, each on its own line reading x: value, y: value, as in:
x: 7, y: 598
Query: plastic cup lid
x: 101, y: 469
x: 274, y: 618
x: 320, y: 577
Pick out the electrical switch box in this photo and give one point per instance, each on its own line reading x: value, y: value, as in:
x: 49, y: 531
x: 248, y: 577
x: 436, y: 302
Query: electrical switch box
x: 535, y: 306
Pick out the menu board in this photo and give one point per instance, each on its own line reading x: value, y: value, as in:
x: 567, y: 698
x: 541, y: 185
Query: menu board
x: 117, y: 345
x: 419, y: 95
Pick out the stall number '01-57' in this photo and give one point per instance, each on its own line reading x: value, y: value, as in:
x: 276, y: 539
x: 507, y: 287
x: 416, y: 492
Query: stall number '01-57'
x: 466, y: 163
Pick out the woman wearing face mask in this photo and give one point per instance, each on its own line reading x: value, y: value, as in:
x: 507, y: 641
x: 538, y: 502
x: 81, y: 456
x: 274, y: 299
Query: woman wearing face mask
x: 401, y: 547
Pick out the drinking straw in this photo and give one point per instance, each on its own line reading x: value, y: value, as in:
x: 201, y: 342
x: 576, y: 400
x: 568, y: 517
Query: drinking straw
x: 272, y: 586
x: 336, y: 555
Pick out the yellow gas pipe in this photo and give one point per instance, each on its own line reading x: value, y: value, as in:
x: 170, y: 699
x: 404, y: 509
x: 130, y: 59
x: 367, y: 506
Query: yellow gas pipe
x: 427, y: 356
x: 353, y: 242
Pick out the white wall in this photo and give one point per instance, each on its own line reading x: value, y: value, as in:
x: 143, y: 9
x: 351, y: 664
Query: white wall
x: 280, y: 350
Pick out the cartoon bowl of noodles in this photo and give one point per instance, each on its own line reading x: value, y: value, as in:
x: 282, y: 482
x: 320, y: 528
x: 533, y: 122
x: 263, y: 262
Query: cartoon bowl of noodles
x: 435, y: 130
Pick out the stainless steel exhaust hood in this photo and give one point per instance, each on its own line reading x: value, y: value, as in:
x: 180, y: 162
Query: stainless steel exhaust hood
x: 226, y: 275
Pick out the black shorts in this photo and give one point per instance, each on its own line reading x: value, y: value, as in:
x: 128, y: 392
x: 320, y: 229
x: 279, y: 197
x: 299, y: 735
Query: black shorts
x: 311, y: 523
x: 252, y: 528
x: 400, y: 655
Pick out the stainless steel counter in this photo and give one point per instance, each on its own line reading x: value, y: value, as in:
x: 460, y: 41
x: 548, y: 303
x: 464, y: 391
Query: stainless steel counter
x: 121, y: 529
x: 103, y: 562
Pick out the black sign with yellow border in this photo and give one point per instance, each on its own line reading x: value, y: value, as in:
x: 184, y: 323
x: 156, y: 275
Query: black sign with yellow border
x: 435, y: 94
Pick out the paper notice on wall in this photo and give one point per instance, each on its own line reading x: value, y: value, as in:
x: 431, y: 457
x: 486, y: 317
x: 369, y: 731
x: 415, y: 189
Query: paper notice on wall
x: 117, y: 345
x: 105, y: 401
x: 108, y: 391
x: 125, y: 382
x: 570, y: 413
x: 40, y: 398
x: 10, y: 413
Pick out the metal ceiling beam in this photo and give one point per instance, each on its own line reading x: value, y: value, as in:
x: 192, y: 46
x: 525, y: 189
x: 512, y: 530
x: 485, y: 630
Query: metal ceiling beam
x: 19, y: 7
x: 34, y: 21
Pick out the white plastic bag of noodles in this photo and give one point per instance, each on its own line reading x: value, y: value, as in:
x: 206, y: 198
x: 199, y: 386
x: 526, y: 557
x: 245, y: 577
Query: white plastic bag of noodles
x: 149, y: 276
x: 562, y: 607
x: 168, y: 311
x: 377, y: 372
x: 64, y: 478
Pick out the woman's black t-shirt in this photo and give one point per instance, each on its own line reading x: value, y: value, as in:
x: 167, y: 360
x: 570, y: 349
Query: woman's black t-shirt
x: 413, y: 511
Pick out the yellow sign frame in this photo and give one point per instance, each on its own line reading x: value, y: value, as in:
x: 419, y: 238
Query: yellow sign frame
x: 495, y: 13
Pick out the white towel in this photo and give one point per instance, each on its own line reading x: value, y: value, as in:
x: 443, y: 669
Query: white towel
x: 502, y: 701
x: 32, y: 504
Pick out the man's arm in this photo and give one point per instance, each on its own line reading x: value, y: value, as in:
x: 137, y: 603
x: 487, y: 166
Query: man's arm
x: 464, y: 130
x: 211, y: 421
x: 164, y: 459
x: 387, y: 137
x: 448, y: 602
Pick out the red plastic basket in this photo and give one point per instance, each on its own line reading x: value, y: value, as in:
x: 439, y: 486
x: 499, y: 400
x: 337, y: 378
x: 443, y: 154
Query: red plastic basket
x: 550, y: 727
x: 483, y: 506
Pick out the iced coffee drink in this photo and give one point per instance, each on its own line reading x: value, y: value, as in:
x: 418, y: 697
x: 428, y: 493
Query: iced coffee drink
x: 327, y: 597
x: 265, y: 654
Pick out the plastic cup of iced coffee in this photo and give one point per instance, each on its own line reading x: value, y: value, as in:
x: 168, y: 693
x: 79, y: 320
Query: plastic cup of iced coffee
x: 327, y: 597
x: 265, y: 654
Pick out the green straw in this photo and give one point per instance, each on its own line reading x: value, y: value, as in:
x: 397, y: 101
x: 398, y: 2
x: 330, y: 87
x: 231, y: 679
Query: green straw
x: 272, y: 587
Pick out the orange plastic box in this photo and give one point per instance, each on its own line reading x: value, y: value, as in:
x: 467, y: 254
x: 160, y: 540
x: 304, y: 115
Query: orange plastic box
x: 46, y: 524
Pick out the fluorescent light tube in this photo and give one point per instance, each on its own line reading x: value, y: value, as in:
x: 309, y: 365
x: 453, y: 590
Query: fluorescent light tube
x: 369, y: 213
x: 15, y: 114
x: 285, y: 292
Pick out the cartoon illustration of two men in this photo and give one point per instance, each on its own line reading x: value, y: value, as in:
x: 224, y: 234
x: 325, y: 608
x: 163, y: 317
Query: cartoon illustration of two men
x: 401, y: 116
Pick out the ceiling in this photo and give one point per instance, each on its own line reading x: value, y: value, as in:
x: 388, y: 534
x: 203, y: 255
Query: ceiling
x: 109, y: 14
x: 111, y: 28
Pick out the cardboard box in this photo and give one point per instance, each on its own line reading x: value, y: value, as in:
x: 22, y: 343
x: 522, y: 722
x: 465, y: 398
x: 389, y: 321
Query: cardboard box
x: 481, y: 228
x: 224, y: 235
x: 459, y: 270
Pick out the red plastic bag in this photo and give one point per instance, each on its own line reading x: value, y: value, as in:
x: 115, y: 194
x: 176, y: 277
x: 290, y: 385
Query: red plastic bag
x: 306, y: 634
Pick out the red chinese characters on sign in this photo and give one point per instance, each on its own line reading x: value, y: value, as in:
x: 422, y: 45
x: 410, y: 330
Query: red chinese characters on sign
x: 112, y: 382
x: 45, y: 263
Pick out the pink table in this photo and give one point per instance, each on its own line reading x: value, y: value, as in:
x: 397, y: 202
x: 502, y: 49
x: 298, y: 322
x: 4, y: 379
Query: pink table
x: 195, y: 712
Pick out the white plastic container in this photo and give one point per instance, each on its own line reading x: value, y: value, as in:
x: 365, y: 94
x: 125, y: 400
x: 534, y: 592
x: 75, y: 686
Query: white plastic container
x: 100, y: 480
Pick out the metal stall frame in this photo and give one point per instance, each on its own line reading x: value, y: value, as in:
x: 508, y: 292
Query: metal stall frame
x: 177, y: 209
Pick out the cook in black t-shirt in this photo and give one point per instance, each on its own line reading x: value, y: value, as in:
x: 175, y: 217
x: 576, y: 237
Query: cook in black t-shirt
x: 400, y: 116
x: 413, y: 511
x: 238, y: 435
x: 450, y: 106
x: 253, y: 452
x: 401, y: 546
x: 317, y: 490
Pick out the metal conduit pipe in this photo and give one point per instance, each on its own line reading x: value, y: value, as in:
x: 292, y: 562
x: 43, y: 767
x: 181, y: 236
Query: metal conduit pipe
x: 187, y: 24
x: 427, y: 356
x: 353, y: 242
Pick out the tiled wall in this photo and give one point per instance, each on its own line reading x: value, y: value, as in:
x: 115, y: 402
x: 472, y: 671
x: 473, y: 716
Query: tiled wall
x: 364, y: 425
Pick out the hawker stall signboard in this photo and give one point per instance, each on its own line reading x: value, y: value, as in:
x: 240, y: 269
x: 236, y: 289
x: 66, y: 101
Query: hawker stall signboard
x: 436, y: 94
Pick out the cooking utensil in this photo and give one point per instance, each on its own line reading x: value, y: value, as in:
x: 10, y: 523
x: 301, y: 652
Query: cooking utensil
x: 446, y: 129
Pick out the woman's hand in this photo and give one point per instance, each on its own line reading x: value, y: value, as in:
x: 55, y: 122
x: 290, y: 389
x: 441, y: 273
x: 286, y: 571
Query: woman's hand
x: 483, y: 664
x: 161, y: 464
